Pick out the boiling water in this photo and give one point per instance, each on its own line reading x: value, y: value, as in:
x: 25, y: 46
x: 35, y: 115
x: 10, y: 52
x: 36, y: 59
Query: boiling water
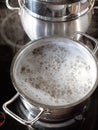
x: 55, y: 75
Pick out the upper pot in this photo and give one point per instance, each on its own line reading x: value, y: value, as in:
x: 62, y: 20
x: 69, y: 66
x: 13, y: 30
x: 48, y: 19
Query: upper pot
x: 54, y: 12
x: 42, y: 19
x: 54, y: 76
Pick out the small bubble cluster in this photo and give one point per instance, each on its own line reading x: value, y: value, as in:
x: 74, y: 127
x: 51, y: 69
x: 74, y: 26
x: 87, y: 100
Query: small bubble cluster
x: 55, y: 75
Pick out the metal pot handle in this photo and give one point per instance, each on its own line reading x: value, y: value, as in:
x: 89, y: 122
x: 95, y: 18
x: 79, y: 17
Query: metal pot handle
x: 95, y: 7
x: 10, y: 7
x: 16, y: 117
x: 90, y: 38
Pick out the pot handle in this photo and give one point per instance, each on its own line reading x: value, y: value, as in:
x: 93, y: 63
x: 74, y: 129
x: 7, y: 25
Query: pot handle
x: 95, y: 7
x: 16, y: 117
x: 10, y: 7
x: 90, y: 38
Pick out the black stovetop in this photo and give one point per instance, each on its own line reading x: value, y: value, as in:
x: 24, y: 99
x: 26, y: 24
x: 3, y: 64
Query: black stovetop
x: 7, y: 90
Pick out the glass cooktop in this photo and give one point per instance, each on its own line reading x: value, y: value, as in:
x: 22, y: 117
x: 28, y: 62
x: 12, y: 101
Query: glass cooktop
x: 10, y: 42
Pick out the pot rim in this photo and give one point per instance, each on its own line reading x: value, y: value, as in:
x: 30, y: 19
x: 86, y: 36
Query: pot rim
x: 58, y: 1
x: 71, y: 16
x: 35, y: 103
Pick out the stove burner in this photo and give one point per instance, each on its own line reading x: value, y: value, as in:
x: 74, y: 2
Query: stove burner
x: 2, y: 118
x: 11, y: 34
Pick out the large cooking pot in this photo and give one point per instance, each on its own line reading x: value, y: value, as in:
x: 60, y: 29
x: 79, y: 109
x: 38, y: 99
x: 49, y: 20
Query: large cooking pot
x: 41, y: 19
x: 45, y: 76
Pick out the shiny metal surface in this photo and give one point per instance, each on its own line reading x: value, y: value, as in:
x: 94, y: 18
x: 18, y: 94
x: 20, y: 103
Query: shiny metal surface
x: 50, y: 12
x: 21, y: 120
x: 36, y: 28
x: 23, y: 111
x: 47, y: 112
x: 59, y: 1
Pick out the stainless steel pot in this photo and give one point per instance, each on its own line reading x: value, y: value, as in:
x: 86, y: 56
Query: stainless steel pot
x: 42, y: 111
x: 41, y: 19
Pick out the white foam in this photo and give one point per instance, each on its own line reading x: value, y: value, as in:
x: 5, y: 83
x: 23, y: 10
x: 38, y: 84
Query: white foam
x: 54, y: 75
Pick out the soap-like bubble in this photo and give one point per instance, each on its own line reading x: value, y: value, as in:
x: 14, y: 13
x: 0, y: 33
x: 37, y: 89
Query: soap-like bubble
x: 55, y: 75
